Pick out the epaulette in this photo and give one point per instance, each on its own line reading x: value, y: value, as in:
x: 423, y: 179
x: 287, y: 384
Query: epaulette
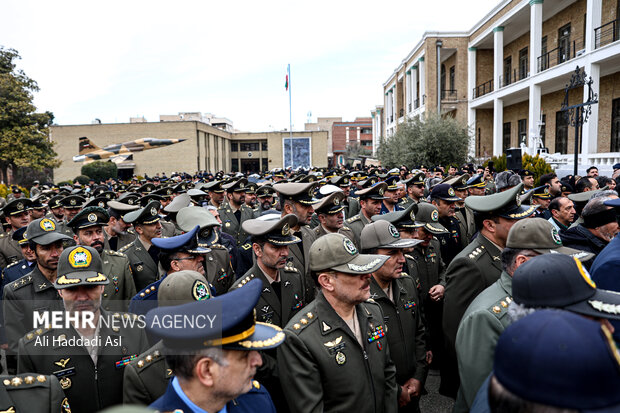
x: 500, y: 307
x: 477, y: 253
x: 346, y: 228
x: 28, y: 337
x: 147, y: 359
x: 246, y: 246
x: 11, y: 264
x: 131, y: 231
x: 303, y: 320
x: 25, y: 380
x: 116, y: 253
x: 19, y: 283
x: 218, y: 246
x: 243, y: 281
x: 290, y: 267
x: 353, y: 218
x: 126, y: 247
x: 147, y: 292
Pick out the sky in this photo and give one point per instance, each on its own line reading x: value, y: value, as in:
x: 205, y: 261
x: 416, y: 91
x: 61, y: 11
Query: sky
x: 119, y: 59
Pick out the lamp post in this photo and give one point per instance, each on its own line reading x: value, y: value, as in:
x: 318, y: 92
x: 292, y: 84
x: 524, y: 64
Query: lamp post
x: 577, y: 115
x: 439, y: 44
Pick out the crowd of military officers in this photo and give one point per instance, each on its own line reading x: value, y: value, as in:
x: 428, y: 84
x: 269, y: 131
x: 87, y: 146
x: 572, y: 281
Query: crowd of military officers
x: 338, y: 290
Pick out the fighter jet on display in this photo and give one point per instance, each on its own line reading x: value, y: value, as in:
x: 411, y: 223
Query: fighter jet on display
x: 118, y: 152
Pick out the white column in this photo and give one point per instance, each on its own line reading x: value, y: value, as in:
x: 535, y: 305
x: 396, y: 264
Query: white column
x: 348, y: 137
x: 394, y: 104
x: 471, y: 72
x: 594, y: 10
x: 358, y: 135
x: 422, y: 69
x: 498, y: 126
x: 414, y: 86
x: 498, y: 55
x: 408, y: 91
x: 589, y: 138
x: 533, y: 117
x: 536, y: 19
x: 471, y: 121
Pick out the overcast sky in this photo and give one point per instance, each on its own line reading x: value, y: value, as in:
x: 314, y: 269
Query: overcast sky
x: 117, y: 59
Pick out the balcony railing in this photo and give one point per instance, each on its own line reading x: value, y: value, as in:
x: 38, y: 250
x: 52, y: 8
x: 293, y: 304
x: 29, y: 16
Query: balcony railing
x: 483, y: 89
x: 607, y: 33
x: 401, y: 113
x: 560, y: 54
x: 448, y: 94
x: 416, y: 103
x: 409, y: 106
x: 515, y: 76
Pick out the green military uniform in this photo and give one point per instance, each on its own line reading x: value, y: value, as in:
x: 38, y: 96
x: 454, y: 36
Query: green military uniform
x: 92, y: 377
x: 10, y: 252
x: 122, y: 239
x: 32, y: 392
x: 326, y: 369
x: 118, y: 210
x: 346, y: 231
x: 121, y: 287
x: 467, y: 225
x: 483, y: 322
x: 69, y: 202
x: 359, y: 221
x: 218, y: 268
x: 146, y: 377
x: 330, y: 205
x: 231, y: 224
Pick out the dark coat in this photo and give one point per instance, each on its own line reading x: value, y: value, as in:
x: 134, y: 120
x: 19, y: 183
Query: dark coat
x: 580, y: 238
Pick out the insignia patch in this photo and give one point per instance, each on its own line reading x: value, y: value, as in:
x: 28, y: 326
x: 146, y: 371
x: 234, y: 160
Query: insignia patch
x: 153, y: 211
x: 336, y: 201
x: 92, y: 217
x: 65, y: 383
x: 333, y: 343
x: 556, y: 236
x: 139, y: 267
x: 412, y: 216
x: 62, y: 363
x: 364, y: 267
x: 408, y: 305
x: 47, y: 225
x: 341, y: 358
x: 435, y: 215
x: 311, y: 192
x: 125, y: 361
x: 72, y: 202
x: 286, y: 230
x: 381, y: 191
x: 63, y: 280
x: 376, y: 334
x: 349, y: 246
x: 64, y: 405
x: 518, y: 200
x: 227, y: 224
x: 200, y: 291
x: 19, y: 206
x: 393, y: 231
x: 451, y: 191
x: 80, y: 258
x: 96, y: 279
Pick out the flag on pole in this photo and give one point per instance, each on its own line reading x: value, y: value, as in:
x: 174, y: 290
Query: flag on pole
x: 286, y: 83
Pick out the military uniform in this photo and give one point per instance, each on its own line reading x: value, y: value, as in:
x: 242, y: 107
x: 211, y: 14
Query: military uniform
x: 346, y: 231
x: 10, y: 252
x: 298, y: 258
x: 231, y: 225
x: 218, y: 268
x: 359, y: 221
x: 89, y: 387
x: 326, y: 369
x: 146, y: 378
x: 143, y: 268
x: 32, y: 392
x: 121, y: 287
x: 483, y: 322
x: 120, y: 240
x: 467, y: 225
x: 168, y: 229
x: 356, y: 224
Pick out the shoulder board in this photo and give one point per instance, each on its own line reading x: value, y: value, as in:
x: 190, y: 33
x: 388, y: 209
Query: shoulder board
x: 477, y: 253
x: 303, y: 320
x: 21, y: 282
x: 115, y: 253
x: 26, y: 380
x: 246, y: 246
x: 28, y: 337
x: 500, y: 307
x: 290, y: 267
x: 147, y: 359
x: 131, y: 231
x: 345, y: 228
x: 243, y: 281
x: 147, y: 292
x: 126, y: 247
x: 218, y: 246
x: 353, y: 218
x: 11, y: 264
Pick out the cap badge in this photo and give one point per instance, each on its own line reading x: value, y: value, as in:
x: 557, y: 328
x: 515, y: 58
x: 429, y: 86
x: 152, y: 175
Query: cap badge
x: 19, y: 206
x: 241, y: 186
x: 130, y: 201
x: 80, y: 258
x: 72, y: 202
x: 556, y: 236
x: 412, y: 215
x: 101, y: 204
x: 341, y: 358
x: 435, y: 215
x: 381, y: 191
x: 464, y: 181
x: 518, y: 200
x: 286, y: 230
x: 92, y: 217
x: 451, y: 191
x: 336, y: 201
x: 153, y: 211
x: 393, y: 231
x: 311, y: 192
x: 349, y: 246
x: 546, y: 190
x: 200, y: 291
x: 346, y: 180
x: 47, y: 225
x: 373, y: 181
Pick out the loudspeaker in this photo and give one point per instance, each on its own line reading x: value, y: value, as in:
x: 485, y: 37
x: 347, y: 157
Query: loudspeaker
x: 513, y: 159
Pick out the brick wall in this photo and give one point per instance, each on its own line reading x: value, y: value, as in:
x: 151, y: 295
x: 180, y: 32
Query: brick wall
x: 484, y: 66
x: 610, y: 90
x: 512, y: 50
x: 484, y: 132
x: 573, y: 14
x: 551, y: 103
x: 513, y: 114
x: 492, y: 22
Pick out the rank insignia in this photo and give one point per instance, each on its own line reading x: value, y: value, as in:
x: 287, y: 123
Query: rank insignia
x: 65, y: 383
x: 341, y: 358
x: 376, y: 334
x: 408, y: 305
x: 62, y: 362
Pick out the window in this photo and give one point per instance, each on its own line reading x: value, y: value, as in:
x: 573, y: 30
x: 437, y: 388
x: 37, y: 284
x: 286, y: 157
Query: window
x: 452, y: 87
x: 523, y: 63
x: 366, y: 143
x: 367, y: 131
x: 522, y: 125
x: 507, y: 70
x: 443, y: 77
x: 234, y: 147
x: 561, y: 132
x: 265, y: 164
x: 543, y: 62
x: 235, y: 165
x: 564, y: 43
x: 263, y: 146
x: 615, y: 125
x: 506, y: 140
x: 248, y: 146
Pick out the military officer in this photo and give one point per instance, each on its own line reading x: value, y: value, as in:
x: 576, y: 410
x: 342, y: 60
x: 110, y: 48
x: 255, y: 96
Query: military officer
x: 390, y: 203
x: 397, y: 295
x: 250, y: 195
x: 479, y: 264
x: 216, y: 193
x: 465, y: 215
x: 88, y: 230
x: 91, y: 370
x: 17, y: 214
x: 218, y: 266
x: 476, y: 185
x: 20, y: 268
x: 227, y: 354
x: 527, y: 177
x: 56, y: 210
x: 444, y: 198
x: 166, y: 194
x: 542, y: 198
x: 282, y: 295
x: 38, y: 210
x: 34, y: 291
x: 235, y: 212
x: 329, y: 211
x: 415, y: 190
x: 71, y: 205
x: 351, y: 204
x: 117, y: 232
x: 264, y: 195
x: 32, y: 392
x: 370, y: 202
x: 487, y: 316
x: 336, y: 356
x: 143, y: 255
x: 298, y: 199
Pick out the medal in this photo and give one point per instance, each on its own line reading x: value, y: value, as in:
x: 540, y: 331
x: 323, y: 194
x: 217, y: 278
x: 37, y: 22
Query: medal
x: 341, y: 358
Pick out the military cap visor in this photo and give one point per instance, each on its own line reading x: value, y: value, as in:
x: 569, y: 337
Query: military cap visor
x: 72, y: 202
x: 189, y: 217
x: 234, y: 326
x: 505, y: 204
x: 275, y: 232
x: 416, y: 179
x: 476, y: 181
x: 89, y: 217
x: 43, y: 231
x: 214, y: 186
x: 374, y: 192
x: 147, y: 215
x: 79, y: 265
x: 428, y: 218
x: 401, y: 219
x: 338, y: 253
x: 297, y: 192
x: 187, y: 242
x: 17, y: 206
x: 20, y: 236
x: 382, y: 234
x: 541, y: 192
x: 444, y: 192
x: 330, y: 204
x: 236, y: 186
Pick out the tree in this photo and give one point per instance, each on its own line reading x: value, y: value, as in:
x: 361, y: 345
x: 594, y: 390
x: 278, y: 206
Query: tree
x: 100, y: 170
x: 355, y: 150
x: 430, y: 141
x: 24, y: 133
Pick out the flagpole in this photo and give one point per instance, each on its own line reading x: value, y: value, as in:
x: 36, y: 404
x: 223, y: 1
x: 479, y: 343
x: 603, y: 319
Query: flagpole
x: 290, y: 112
